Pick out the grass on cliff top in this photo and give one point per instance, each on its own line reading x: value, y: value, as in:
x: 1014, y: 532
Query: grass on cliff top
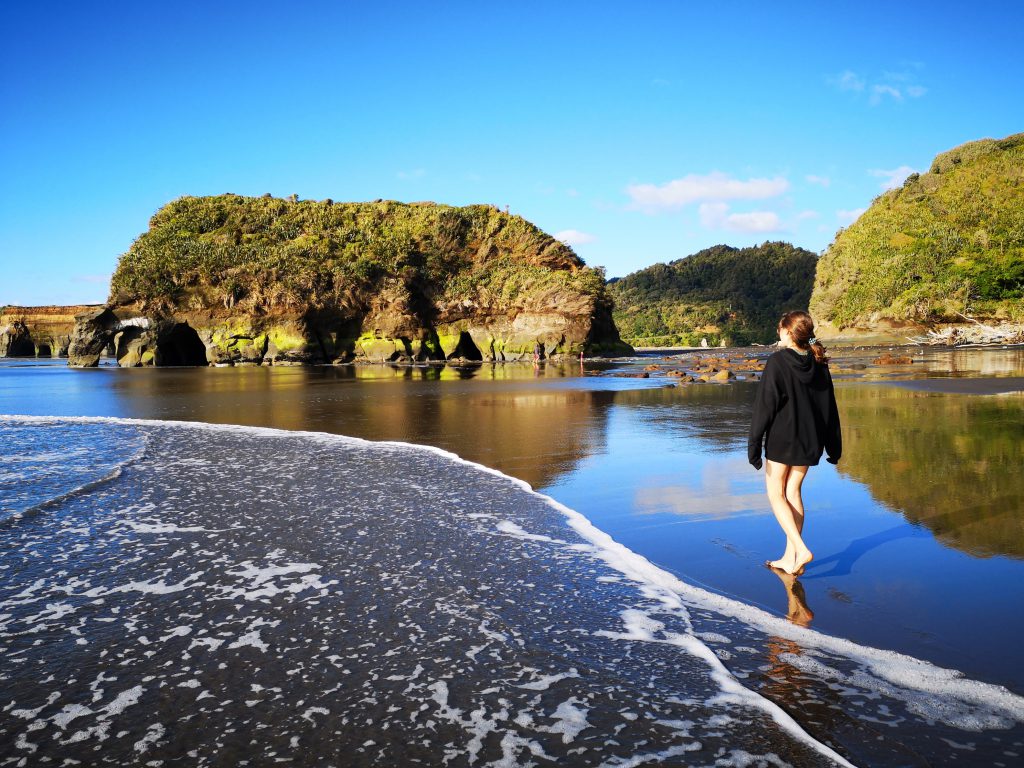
x: 720, y: 292
x: 950, y: 240
x: 269, y: 253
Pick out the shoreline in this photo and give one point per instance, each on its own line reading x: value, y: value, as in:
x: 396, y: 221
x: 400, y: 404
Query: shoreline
x: 580, y: 447
x: 986, y: 371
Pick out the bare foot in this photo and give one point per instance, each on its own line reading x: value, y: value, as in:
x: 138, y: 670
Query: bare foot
x: 779, y: 565
x: 800, y: 562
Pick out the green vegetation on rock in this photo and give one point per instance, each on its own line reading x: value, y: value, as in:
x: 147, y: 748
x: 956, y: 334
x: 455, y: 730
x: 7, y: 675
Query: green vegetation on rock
x: 948, y: 241
x: 735, y: 294
x: 269, y: 253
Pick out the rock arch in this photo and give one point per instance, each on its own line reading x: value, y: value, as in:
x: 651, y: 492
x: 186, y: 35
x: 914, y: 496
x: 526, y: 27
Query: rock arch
x: 181, y: 345
x: 466, y: 348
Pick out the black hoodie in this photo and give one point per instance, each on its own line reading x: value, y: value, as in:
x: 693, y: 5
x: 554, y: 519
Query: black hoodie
x: 795, y: 413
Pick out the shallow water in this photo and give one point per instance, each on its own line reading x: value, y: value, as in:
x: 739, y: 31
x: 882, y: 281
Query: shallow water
x: 901, y: 563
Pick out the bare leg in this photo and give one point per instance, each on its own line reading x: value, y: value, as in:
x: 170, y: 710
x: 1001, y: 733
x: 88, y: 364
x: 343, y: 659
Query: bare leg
x: 794, y: 479
x: 797, y: 554
x: 775, y: 481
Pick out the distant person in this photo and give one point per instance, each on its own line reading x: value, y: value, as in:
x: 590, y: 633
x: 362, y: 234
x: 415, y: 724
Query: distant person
x: 796, y: 419
x: 538, y: 352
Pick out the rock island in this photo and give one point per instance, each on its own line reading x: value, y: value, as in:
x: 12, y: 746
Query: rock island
x: 240, y: 280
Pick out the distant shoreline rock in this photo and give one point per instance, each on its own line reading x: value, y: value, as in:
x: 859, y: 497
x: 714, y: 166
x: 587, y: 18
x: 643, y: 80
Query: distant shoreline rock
x: 38, y: 331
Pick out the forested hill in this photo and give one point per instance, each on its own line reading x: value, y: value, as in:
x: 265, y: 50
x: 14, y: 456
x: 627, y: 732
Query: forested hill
x: 721, y: 292
x: 948, y: 241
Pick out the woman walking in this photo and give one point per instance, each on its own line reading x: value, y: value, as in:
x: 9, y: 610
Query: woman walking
x: 796, y: 420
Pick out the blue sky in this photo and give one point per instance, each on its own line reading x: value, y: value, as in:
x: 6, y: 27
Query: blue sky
x: 639, y: 132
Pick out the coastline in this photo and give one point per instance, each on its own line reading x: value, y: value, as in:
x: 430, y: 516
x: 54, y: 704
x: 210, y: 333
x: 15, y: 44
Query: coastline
x: 961, y: 370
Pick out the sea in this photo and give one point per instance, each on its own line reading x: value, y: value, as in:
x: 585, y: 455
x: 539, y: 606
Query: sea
x: 503, y: 565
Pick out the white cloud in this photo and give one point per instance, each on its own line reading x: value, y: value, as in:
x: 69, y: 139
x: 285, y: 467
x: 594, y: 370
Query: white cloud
x: 755, y: 221
x: 848, y: 81
x: 848, y: 217
x: 907, y: 81
x: 893, y: 178
x: 898, y: 77
x: 695, y: 188
x: 804, y: 215
x: 574, y: 237
x: 889, y: 86
x: 822, y: 181
x: 880, y: 91
x: 416, y: 173
x: 712, y: 215
x: 717, y: 216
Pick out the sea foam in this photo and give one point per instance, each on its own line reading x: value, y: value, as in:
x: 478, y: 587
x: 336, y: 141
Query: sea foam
x: 661, y: 615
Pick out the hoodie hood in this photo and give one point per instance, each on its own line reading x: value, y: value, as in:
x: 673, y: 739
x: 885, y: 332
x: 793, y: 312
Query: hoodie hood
x: 802, y: 366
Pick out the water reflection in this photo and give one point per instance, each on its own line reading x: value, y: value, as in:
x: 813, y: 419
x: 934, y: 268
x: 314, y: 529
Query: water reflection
x: 990, y: 362
x: 797, y: 610
x: 826, y: 712
x: 500, y: 416
x: 725, y: 488
x: 718, y: 414
x: 949, y: 462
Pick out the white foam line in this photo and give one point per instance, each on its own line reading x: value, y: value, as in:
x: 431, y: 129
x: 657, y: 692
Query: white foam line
x: 78, y: 489
x: 167, y: 528
x: 899, y: 669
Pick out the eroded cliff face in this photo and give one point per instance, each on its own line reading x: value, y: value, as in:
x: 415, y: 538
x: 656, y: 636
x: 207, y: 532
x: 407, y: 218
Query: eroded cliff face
x: 467, y: 332
x: 38, y: 331
x: 248, y: 281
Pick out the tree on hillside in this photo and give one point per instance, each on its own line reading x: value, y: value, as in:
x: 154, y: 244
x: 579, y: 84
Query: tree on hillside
x: 738, y: 292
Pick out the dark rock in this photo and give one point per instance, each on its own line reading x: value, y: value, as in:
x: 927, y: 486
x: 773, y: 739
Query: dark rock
x: 887, y: 358
x: 94, y: 331
x: 16, y: 341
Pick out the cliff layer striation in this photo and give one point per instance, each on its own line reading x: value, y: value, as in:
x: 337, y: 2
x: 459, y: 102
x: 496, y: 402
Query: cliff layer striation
x: 38, y: 331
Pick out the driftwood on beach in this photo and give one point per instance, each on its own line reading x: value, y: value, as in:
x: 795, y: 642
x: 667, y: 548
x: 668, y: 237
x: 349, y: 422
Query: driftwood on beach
x: 976, y: 335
